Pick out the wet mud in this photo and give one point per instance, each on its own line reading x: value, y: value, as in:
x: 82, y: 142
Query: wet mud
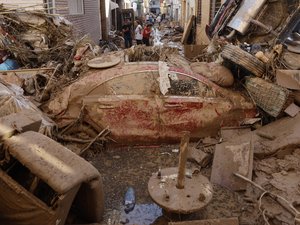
x: 124, y: 167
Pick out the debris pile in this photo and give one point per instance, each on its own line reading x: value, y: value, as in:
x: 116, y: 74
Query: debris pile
x: 142, y: 53
x: 35, y: 37
x: 269, y: 68
x: 263, y: 58
x: 44, y: 50
x: 167, y: 54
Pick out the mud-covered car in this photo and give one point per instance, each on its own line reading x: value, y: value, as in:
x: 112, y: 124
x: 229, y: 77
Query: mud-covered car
x: 43, y: 183
x: 128, y: 100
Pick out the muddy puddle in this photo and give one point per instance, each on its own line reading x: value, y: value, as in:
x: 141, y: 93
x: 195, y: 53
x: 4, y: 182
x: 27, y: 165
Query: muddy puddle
x: 146, y: 214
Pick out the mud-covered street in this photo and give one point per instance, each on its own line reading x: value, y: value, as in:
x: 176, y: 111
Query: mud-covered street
x: 135, y: 173
x: 150, y: 112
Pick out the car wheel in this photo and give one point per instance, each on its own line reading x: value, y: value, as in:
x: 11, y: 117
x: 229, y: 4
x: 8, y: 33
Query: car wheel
x: 244, y: 59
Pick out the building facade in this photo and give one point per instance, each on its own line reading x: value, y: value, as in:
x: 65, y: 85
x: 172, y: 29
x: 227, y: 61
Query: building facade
x: 154, y: 6
x: 187, y: 10
x: 206, y: 10
x: 84, y: 14
x: 175, y: 10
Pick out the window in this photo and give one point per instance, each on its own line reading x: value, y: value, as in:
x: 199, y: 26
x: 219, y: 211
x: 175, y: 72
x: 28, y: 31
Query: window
x: 215, y: 5
x: 199, y: 11
x: 49, y: 6
x: 75, y: 7
x: 188, y: 11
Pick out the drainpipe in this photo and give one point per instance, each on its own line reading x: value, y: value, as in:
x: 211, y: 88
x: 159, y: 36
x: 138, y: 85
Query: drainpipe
x: 103, y: 20
x: 183, y: 12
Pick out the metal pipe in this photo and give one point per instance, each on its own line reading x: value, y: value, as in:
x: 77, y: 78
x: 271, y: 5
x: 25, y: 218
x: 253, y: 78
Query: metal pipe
x: 268, y: 28
x: 182, y: 159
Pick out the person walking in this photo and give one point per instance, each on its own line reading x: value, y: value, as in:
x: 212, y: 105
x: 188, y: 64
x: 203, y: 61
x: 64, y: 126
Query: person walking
x: 139, y: 33
x: 146, y: 34
x: 127, y: 34
x: 158, y: 19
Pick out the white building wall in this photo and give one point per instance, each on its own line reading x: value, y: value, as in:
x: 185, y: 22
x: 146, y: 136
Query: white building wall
x: 190, y: 9
x: 176, y: 10
x: 205, y: 16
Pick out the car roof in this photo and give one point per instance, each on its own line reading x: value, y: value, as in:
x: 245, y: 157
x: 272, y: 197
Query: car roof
x: 95, y: 78
x: 56, y: 165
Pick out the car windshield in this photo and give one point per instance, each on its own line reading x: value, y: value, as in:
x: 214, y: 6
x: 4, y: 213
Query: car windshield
x: 146, y: 83
x: 182, y: 85
x: 140, y: 83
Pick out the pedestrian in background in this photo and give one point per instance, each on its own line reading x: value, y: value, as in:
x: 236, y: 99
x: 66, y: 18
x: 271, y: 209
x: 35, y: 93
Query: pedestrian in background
x: 127, y: 34
x: 139, y: 33
x: 158, y: 20
x: 146, y: 34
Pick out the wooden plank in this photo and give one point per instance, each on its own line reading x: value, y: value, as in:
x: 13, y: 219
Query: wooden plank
x: 187, y: 30
x: 230, y: 158
x: 223, y: 221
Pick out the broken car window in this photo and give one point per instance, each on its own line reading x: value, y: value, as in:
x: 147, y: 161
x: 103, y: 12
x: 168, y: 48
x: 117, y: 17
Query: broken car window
x: 182, y: 85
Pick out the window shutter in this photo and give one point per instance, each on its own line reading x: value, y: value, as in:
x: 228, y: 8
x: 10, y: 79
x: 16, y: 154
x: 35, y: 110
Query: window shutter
x: 199, y: 12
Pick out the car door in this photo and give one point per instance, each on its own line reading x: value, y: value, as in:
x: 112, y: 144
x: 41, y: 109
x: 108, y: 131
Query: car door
x: 126, y: 105
x: 191, y: 105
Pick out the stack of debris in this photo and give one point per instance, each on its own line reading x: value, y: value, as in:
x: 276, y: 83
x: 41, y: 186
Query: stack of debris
x: 35, y: 38
x: 267, y: 64
x: 267, y: 158
x: 157, y: 53
x: 44, y: 46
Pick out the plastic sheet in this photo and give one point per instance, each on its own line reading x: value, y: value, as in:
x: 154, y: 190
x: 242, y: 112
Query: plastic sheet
x: 13, y: 101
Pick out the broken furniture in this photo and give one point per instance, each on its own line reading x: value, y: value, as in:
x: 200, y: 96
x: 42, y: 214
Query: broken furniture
x: 268, y: 96
x: 178, y: 191
x: 43, y: 182
x: 25, y: 120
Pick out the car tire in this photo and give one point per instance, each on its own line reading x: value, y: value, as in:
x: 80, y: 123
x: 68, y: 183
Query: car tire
x: 244, y: 59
